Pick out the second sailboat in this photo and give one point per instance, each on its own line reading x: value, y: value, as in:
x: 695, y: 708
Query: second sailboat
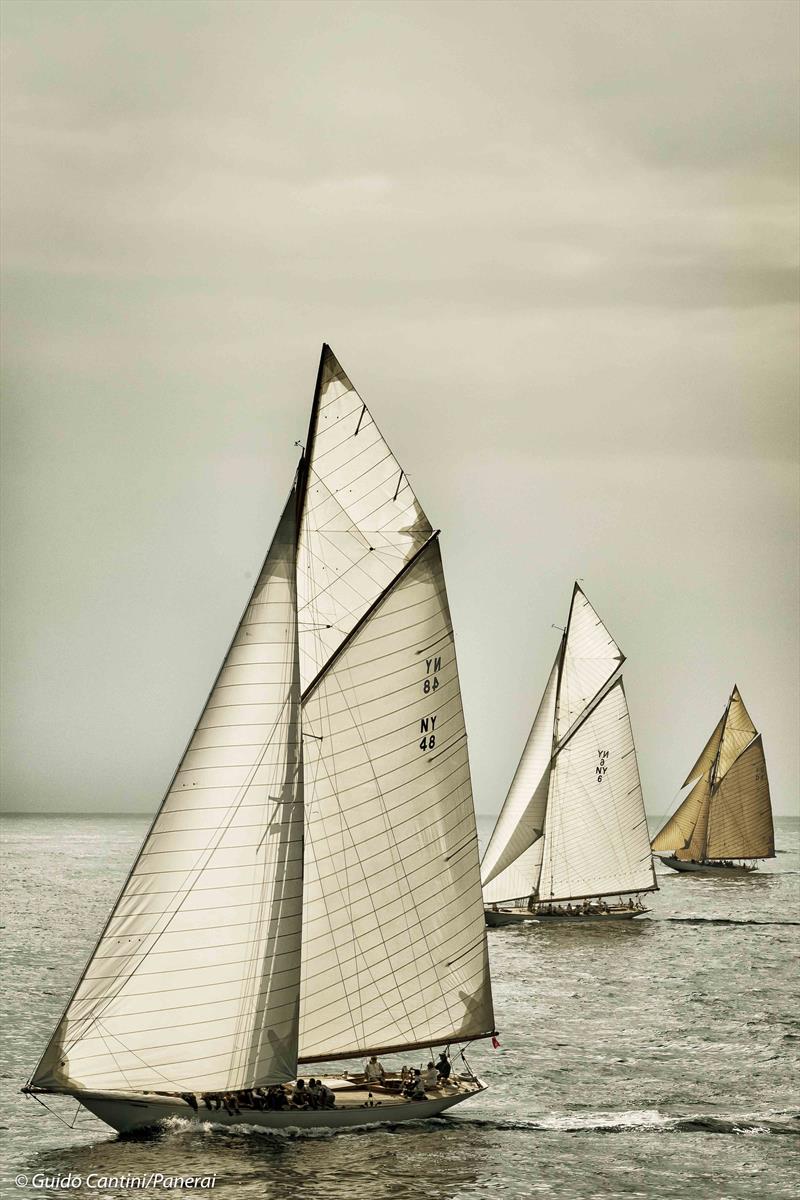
x: 573, y: 830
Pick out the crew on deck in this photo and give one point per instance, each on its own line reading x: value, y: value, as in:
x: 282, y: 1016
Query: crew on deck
x: 373, y: 1071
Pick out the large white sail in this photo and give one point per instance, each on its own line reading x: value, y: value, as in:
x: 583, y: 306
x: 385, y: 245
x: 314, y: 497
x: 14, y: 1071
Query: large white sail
x: 361, y: 521
x: 394, y: 945
x: 590, y: 658
x: 519, y: 879
x: 596, y: 839
x: 521, y: 820
x: 194, y: 984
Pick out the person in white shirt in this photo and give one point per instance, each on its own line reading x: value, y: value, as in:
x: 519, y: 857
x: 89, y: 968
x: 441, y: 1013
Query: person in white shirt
x: 430, y: 1078
x: 373, y: 1071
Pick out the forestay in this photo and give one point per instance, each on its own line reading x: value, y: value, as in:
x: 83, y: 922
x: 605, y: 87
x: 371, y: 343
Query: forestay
x: 394, y: 945
x: 194, y: 983
x: 361, y: 521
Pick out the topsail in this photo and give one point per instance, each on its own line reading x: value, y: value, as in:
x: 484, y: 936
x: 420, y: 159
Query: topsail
x: 573, y: 823
x: 310, y: 887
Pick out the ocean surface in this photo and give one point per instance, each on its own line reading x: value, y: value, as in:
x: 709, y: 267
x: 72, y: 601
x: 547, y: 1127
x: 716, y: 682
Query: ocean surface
x: 657, y: 1059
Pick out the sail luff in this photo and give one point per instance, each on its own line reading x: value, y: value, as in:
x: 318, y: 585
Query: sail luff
x: 308, y: 449
x: 159, y: 939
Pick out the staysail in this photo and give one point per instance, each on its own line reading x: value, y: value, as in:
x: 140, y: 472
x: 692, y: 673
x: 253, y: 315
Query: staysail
x: 728, y: 813
x: 573, y: 825
x: 521, y: 820
x: 204, y: 940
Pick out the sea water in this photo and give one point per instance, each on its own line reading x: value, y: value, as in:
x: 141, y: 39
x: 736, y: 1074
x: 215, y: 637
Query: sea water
x: 651, y: 1059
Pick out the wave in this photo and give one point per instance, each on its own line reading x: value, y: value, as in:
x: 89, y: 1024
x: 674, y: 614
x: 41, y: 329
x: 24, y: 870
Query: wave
x: 637, y: 1121
x: 721, y: 921
x: 647, y: 1121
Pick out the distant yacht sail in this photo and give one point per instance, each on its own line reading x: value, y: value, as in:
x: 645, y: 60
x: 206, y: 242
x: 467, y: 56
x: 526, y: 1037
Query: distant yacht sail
x: 573, y: 830
x: 310, y: 887
x: 727, y: 815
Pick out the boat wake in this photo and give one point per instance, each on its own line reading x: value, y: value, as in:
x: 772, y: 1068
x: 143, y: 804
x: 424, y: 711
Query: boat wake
x: 647, y: 1121
x: 641, y: 1121
x: 720, y: 921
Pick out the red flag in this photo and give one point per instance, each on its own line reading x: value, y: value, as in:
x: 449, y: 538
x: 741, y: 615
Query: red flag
x: 495, y: 1043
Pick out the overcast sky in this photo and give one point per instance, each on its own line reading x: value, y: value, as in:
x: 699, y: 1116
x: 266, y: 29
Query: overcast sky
x: 553, y: 244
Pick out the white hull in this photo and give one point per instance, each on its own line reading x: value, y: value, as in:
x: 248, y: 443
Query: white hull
x: 127, y: 1112
x: 512, y: 916
x: 704, y: 868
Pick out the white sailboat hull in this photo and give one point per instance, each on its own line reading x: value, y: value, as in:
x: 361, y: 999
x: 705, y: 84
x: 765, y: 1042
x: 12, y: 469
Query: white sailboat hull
x: 514, y: 916
x: 705, y: 868
x: 128, y: 1113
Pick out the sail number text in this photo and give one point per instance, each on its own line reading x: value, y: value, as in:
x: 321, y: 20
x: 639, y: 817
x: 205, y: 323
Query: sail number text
x: 427, y: 725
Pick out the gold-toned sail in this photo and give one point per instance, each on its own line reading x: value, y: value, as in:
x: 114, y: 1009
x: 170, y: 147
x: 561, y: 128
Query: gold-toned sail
x: 728, y: 813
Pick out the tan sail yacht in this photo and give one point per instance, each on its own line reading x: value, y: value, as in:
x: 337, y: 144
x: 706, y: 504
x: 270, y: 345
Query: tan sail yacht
x: 725, y: 823
x: 572, y: 833
x: 309, y: 891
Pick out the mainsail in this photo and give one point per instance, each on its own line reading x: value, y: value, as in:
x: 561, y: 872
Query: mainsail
x: 331, y: 826
x: 728, y: 813
x: 573, y: 824
x: 394, y: 950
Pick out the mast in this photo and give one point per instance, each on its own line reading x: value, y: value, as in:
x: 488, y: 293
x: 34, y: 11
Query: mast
x: 715, y: 765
